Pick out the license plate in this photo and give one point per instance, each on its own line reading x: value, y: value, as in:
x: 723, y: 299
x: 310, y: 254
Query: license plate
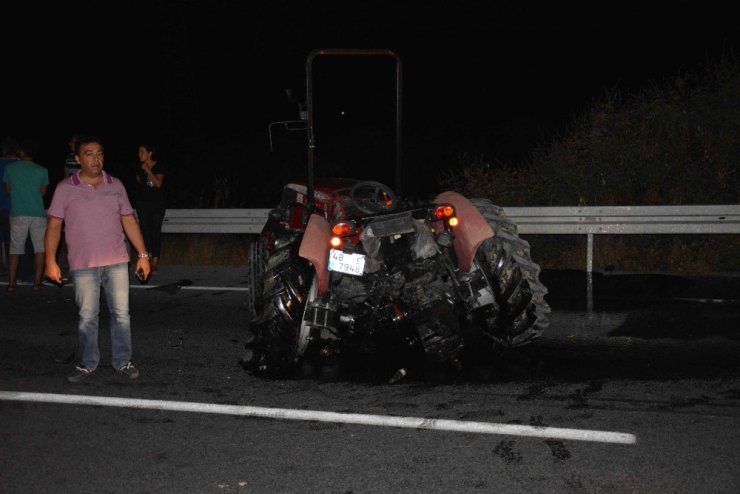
x: 341, y: 262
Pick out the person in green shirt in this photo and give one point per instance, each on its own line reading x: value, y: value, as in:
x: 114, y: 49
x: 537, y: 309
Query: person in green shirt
x: 10, y: 155
x: 26, y: 183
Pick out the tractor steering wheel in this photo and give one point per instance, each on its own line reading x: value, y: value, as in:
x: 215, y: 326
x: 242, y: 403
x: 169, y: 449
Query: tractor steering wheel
x: 373, y: 197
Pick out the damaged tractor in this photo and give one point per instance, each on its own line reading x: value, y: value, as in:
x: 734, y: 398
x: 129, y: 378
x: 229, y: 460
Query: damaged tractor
x: 346, y: 271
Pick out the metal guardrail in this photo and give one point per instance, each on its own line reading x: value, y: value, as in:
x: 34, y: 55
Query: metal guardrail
x: 627, y: 219
x: 214, y: 220
x: 589, y: 221
x: 631, y: 220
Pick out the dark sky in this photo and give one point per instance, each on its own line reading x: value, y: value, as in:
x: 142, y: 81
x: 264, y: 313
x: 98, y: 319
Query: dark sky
x: 478, y: 78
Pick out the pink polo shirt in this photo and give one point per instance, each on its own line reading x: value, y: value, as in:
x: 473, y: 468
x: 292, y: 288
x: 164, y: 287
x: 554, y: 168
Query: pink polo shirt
x: 92, y: 221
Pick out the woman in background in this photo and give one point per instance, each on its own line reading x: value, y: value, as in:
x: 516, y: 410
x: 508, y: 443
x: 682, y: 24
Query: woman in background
x: 150, y: 200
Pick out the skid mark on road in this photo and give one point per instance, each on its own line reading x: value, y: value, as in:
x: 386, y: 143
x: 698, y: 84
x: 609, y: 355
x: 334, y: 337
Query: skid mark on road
x: 333, y: 417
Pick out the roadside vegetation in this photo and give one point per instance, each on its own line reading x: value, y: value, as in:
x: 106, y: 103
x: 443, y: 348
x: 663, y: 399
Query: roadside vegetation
x: 209, y: 249
x: 674, y: 143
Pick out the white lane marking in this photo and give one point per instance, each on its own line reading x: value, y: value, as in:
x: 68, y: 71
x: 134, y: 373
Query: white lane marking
x: 708, y: 300
x: 246, y: 289
x: 150, y: 287
x: 334, y: 417
x: 195, y: 287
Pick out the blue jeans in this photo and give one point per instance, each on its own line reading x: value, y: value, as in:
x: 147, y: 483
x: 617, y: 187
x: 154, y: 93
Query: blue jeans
x: 114, y: 280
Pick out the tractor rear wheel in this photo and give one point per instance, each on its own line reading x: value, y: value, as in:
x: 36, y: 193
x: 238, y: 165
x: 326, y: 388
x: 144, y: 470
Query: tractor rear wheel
x: 522, y: 310
x: 272, y: 348
x: 255, y: 271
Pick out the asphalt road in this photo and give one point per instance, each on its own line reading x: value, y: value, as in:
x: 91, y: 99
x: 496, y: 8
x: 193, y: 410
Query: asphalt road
x: 656, y: 361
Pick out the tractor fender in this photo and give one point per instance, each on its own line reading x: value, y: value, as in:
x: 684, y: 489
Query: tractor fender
x: 315, y: 249
x: 472, y: 231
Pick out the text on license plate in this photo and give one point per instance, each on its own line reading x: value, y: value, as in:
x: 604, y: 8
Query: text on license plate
x: 343, y: 262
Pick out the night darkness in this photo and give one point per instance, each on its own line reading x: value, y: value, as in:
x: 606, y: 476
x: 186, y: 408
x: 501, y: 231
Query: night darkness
x: 205, y: 79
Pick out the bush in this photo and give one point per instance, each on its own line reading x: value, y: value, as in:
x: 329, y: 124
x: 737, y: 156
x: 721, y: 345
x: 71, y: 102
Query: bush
x: 675, y: 143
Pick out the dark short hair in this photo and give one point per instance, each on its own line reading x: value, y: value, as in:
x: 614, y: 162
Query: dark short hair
x: 10, y: 146
x: 85, y: 139
x: 151, y: 148
x: 29, y: 148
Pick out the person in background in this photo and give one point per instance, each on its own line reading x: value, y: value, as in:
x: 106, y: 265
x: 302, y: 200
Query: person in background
x: 96, y: 212
x: 70, y: 168
x: 150, y: 205
x: 26, y: 182
x: 70, y: 163
x: 10, y: 154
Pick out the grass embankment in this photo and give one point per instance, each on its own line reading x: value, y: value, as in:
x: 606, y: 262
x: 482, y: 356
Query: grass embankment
x: 193, y: 249
x: 684, y: 254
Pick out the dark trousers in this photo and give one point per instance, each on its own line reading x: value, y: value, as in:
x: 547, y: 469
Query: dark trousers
x: 150, y: 221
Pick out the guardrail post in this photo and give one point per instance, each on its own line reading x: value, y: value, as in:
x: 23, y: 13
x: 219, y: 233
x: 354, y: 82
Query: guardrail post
x: 589, y: 271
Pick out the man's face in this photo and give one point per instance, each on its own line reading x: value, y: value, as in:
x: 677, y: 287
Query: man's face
x: 144, y: 154
x: 90, y: 159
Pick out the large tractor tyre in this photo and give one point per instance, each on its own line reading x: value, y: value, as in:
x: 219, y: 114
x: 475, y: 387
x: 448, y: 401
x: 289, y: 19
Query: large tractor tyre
x: 272, y: 347
x: 522, y: 313
x: 255, y: 271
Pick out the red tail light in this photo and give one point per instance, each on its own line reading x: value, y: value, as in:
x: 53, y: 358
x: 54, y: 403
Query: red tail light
x: 340, y: 231
x: 444, y: 211
x: 343, y: 229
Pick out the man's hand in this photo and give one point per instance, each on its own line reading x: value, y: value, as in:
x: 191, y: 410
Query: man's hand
x: 143, y: 266
x: 53, y: 272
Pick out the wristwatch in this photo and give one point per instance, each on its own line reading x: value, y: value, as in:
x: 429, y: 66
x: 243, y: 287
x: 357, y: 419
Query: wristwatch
x: 144, y: 256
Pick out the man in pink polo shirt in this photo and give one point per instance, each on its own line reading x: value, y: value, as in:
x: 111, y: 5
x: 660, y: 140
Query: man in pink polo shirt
x: 96, y: 213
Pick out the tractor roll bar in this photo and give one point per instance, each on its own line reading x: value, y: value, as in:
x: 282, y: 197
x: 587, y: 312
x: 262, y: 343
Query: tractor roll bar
x: 309, y: 106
